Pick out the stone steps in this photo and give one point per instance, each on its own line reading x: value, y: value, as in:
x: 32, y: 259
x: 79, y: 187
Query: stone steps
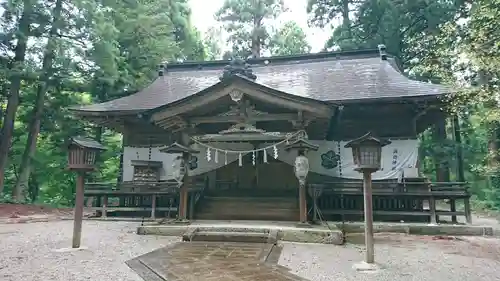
x: 249, y: 204
x: 233, y: 235
x: 245, y: 237
x: 266, y: 215
x: 252, y: 199
x: 245, y: 208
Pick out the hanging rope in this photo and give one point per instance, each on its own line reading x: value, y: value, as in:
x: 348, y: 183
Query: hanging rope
x: 286, y: 140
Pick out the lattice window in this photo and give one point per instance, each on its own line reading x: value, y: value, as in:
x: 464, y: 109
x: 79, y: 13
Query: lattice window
x: 145, y: 174
x: 146, y: 170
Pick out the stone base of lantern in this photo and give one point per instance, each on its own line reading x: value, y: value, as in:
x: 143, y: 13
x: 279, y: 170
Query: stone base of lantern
x: 366, y: 267
x: 303, y: 225
x: 181, y: 221
x: 69, y: 250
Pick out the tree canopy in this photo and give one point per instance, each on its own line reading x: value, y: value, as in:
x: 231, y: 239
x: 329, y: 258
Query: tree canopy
x: 290, y: 39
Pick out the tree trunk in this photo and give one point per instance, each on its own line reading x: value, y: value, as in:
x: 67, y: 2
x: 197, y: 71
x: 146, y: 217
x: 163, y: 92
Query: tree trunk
x: 458, y: 149
x: 120, y: 169
x: 34, y: 129
x: 17, y: 68
x: 102, y: 94
x: 440, y: 157
x: 34, y: 188
x: 346, y: 21
x: 256, y: 38
x: 493, y: 163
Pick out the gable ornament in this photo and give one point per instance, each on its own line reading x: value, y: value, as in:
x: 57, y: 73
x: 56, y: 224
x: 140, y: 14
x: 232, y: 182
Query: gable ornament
x: 239, y: 67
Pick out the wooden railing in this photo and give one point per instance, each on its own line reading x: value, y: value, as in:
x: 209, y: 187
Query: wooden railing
x: 151, y: 197
x: 392, y: 199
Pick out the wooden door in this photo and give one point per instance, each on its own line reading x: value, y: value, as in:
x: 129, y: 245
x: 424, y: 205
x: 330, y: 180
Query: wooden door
x: 240, y: 177
x: 275, y: 175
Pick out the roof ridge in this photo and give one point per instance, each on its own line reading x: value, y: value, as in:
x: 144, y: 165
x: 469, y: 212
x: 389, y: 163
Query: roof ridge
x: 351, y: 54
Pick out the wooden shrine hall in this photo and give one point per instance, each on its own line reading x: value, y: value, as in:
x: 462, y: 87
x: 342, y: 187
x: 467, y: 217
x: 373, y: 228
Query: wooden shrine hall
x: 218, y: 140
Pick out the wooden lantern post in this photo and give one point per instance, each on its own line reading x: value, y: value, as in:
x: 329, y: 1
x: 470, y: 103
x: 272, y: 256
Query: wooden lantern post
x: 367, y: 154
x: 180, y: 172
x: 301, y: 169
x: 82, y: 156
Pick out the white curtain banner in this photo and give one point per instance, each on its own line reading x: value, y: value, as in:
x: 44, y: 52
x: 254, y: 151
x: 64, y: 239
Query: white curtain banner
x: 398, y: 155
x: 331, y: 159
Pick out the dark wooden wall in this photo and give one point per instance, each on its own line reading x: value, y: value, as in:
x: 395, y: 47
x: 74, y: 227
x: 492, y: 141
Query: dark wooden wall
x: 386, y: 120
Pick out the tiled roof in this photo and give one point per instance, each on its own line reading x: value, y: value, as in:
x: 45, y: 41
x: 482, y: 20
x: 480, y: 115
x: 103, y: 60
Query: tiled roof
x: 86, y: 142
x: 335, y: 77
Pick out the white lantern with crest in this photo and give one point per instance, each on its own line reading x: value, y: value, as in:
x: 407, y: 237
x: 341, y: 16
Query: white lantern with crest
x: 301, y: 169
x: 301, y: 166
x: 179, y: 165
x: 178, y: 168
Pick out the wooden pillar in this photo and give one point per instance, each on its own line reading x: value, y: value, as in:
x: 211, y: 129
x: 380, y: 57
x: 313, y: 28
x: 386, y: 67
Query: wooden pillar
x: 368, y: 212
x: 98, y: 202
x: 460, y: 164
x: 183, y: 193
x: 302, y: 203
x: 104, y: 206
x: 153, y: 206
x: 467, y: 209
x: 78, y: 216
x: 191, y: 205
x: 119, y: 179
x: 183, y: 196
x: 459, y: 150
x: 212, y: 179
x: 315, y: 206
x: 432, y: 210
x: 182, y: 202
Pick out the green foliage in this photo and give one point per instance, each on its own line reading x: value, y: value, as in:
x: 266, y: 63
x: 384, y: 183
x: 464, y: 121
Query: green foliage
x: 212, y: 43
x: 395, y: 23
x: 105, y: 49
x: 290, y: 39
x: 245, y: 21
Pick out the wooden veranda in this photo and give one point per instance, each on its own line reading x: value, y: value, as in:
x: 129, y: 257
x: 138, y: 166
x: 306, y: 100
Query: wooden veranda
x: 337, y: 201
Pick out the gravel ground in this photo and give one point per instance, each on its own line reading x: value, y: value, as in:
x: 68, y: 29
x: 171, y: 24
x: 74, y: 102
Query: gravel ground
x: 27, y: 251
x: 401, y: 258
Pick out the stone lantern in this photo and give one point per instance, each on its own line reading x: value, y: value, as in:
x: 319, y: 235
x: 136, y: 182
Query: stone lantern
x: 180, y: 173
x: 82, y: 156
x: 82, y: 153
x: 367, y: 156
x: 301, y: 169
x: 367, y: 153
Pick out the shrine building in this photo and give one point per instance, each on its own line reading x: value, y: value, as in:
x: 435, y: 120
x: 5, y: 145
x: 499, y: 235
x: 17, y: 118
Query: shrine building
x: 237, y: 127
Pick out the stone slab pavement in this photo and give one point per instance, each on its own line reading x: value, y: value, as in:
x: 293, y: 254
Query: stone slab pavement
x: 210, y: 261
